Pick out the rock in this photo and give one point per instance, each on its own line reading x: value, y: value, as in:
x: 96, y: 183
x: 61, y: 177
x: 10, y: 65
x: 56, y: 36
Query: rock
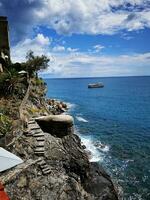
x: 63, y: 172
x: 60, y: 106
x: 64, y: 105
x: 99, y: 145
x: 57, y: 125
x: 22, y: 182
x: 83, y: 146
x: 56, y: 107
x: 2, y: 141
x: 58, y: 170
x: 99, y: 183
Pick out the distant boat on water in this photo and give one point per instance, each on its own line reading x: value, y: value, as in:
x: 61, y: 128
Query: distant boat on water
x: 95, y: 85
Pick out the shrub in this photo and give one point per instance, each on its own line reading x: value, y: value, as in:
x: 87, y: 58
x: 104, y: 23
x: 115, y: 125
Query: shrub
x: 5, y: 124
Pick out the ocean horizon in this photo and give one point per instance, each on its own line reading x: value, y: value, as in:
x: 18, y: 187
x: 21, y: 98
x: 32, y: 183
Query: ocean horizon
x: 114, y: 124
x: 46, y: 78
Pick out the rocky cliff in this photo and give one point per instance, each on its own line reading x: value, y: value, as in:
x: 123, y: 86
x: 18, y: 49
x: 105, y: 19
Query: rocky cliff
x: 56, y: 166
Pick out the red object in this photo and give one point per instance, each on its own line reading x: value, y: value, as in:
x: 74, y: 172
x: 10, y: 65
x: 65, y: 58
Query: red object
x: 3, y: 194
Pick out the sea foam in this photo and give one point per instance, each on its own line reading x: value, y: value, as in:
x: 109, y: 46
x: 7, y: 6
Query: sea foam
x: 81, y: 119
x: 70, y: 106
x: 102, y: 147
x: 95, y: 155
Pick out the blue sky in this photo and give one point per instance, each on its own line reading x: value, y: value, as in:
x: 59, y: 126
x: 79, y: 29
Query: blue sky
x: 82, y: 38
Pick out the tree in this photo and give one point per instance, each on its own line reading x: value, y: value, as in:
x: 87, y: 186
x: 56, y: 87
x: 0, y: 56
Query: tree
x: 35, y: 63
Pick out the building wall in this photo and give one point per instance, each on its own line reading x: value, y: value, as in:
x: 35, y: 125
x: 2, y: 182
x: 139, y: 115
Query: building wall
x: 4, y: 39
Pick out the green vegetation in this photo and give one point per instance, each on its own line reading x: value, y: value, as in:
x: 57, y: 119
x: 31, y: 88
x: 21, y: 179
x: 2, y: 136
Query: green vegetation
x: 35, y: 63
x: 14, y: 82
x: 5, y: 124
x: 11, y: 83
x: 11, y: 79
x: 39, y: 81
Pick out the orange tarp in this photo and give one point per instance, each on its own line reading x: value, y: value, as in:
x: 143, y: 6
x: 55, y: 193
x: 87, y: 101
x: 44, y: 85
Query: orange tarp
x: 3, y: 195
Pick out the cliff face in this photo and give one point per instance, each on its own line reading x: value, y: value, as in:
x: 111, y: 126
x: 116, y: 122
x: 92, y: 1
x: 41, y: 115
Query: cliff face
x: 56, y: 166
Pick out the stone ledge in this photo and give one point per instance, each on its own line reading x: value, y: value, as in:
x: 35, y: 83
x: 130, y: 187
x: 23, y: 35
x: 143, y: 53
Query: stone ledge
x: 56, y: 118
x: 57, y: 125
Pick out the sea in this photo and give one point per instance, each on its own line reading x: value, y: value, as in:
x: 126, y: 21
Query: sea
x: 114, y: 124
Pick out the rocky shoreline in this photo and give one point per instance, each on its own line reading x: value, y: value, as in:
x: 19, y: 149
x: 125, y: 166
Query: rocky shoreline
x: 56, y: 107
x: 56, y: 165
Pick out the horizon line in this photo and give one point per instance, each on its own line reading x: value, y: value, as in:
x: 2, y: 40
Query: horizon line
x: 95, y: 77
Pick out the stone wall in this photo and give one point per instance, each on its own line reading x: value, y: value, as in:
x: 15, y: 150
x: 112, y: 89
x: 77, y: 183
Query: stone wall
x: 4, y: 39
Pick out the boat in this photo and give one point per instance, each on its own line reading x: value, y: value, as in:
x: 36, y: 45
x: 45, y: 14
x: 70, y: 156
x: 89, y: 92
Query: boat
x: 95, y: 85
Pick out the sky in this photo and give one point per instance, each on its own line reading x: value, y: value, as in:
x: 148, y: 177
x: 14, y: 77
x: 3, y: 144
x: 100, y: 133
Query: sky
x: 82, y: 38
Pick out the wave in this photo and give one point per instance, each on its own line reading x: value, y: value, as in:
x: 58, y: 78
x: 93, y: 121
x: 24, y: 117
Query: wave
x: 81, y: 119
x: 101, y: 146
x: 92, y: 147
x: 70, y: 106
x: 92, y: 151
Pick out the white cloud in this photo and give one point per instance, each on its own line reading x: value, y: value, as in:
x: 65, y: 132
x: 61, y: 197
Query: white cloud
x: 68, y: 62
x: 98, y: 48
x: 69, y: 49
x: 41, y: 40
x: 39, y: 45
x: 58, y: 48
x: 93, y: 16
x: 84, y: 65
x: 79, y: 16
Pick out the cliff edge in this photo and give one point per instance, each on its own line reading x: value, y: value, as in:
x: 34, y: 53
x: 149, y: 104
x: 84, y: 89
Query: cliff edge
x: 56, y: 166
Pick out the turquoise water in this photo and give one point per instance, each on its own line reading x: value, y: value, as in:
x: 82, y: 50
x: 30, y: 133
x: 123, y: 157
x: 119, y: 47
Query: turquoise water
x: 114, y: 123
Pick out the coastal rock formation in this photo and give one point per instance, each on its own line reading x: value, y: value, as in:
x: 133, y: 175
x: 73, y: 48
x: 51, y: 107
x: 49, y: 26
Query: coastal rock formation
x: 55, y: 106
x: 58, y: 125
x: 61, y: 172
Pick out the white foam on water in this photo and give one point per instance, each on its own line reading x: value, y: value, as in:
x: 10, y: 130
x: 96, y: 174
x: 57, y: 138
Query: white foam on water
x: 81, y: 119
x: 101, y: 147
x: 95, y: 155
x: 70, y: 106
x: 105, y: 149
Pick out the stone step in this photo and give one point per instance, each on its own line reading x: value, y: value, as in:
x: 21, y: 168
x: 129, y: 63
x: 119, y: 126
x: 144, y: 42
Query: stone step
x: 29, y: 135
x: 39, y: 135
x: 42, y: 162
x: 31, y: 122
x: 39, y: 149
x: 37, y: 131
x: 45, y: 169
x: 32, y: 119
x: 41, y: 143
x: 46, y: 172
x: 34, y: 128
x: 39, y: 146
x: 40, y: 139
x: 43, y: 166
x: 34, y: 131
x: 39, y: 152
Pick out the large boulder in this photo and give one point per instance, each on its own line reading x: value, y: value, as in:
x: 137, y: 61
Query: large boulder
x: 56, y: 125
